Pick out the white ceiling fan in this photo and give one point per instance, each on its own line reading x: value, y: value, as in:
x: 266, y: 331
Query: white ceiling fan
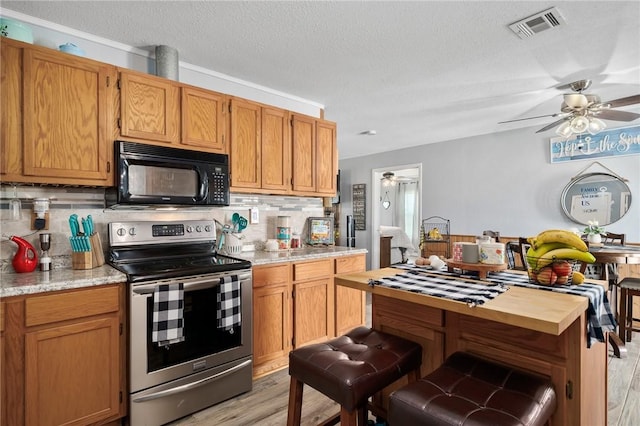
x: 582, y: 112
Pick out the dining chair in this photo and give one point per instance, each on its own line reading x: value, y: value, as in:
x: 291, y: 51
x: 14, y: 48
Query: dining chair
x: 518, y: 249
x: 611, y: 238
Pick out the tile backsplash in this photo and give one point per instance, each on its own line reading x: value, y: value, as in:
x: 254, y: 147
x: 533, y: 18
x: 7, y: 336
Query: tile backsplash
x: 65, y: 201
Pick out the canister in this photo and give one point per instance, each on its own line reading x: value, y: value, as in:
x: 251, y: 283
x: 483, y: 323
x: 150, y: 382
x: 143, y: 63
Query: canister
x: 457, y: 250
x: 492, y: 253
x: 283, y: 232
x: 470, y: 253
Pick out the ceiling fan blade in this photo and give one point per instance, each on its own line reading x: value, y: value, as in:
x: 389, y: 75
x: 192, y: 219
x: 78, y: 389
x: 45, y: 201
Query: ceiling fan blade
x: 629, y: 100
x: 528, y: 118
x: 552, y: 125
x: 614, y: 115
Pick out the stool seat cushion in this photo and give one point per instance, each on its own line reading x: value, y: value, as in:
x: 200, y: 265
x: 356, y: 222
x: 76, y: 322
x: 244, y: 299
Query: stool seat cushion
x: 467, y: 390
x: 351, y: 368
x: 630, y: 283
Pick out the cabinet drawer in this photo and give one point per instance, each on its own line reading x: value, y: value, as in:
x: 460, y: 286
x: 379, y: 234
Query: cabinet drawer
x: 348, y: 264
x: 77, y: 304
x: 313, y: 269
x: 268, y: 275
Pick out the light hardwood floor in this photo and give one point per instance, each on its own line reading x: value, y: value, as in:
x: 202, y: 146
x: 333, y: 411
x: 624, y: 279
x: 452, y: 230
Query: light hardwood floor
x: 266, y: 404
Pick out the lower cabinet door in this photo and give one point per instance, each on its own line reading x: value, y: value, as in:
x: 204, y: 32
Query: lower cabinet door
x: 72, y: 373
x: 313, y: 311
x: 271, y: 328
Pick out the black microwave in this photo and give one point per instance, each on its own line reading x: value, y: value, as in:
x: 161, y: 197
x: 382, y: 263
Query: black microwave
x: 157, y: 175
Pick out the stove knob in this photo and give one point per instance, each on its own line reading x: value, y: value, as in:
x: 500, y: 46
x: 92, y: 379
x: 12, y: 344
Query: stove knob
x: 132, y: 232
x: 198, y: 228
x: 207, y: 228
x: 121, y: 232
x: 189, y: 228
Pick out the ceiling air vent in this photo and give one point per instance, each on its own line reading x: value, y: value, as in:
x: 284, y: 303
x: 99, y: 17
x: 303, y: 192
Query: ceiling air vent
x: 536, y: 23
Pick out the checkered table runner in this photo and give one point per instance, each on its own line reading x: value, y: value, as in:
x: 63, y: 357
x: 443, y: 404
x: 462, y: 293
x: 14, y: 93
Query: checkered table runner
x: 462, y: 290
x: 600, y: 317
x: 228, y: 309
x: 168, y: 310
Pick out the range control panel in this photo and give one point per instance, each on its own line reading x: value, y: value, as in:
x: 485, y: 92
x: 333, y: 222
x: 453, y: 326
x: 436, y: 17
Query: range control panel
x: 137, y: 233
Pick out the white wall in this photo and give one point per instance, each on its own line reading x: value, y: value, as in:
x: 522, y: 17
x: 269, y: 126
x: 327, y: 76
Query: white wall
x: 503, y: 181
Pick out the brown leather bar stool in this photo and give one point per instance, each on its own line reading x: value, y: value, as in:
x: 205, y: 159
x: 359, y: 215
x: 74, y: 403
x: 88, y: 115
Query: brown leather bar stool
x: 469, y: 390
x: 349, y: 369
x: 629, y: 287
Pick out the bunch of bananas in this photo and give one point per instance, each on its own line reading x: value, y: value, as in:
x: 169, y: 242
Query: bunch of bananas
x: 434, y: 234
x: 550, y: 253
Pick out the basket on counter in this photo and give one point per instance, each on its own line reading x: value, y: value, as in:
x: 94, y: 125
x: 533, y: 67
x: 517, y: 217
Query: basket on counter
x: 554, y: 272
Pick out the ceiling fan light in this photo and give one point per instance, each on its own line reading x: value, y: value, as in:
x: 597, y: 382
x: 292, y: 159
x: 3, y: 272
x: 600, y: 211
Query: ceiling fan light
x: 579, y: 124
x: 576, y: 100
x: 596, y: 125
x: 564, y: 129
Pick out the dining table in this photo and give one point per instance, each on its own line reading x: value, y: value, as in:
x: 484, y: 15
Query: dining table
x: 609, y: 256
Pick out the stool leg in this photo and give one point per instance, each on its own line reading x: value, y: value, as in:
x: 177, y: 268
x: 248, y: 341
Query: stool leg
x: 622, y: 315
x: 629, y: 315
x: 348, y: 418
x: 295, y: 402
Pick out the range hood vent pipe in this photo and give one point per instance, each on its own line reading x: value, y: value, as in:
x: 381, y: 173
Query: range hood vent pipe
x: 167, y: 62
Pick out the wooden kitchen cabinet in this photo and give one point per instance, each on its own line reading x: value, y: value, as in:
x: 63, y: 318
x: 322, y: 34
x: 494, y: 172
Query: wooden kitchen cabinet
x: 313, y: 302
x: 56, y: 117
x: 314, y: 156
x: 271, y: 317
x: 350, y: 304
x: 149, y: 108
x: 65, y: 357
x: 259, y: 148
x: 203, y: 119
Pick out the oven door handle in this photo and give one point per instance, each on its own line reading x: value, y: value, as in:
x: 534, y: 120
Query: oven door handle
x: 189, y: 284
x: 193, y: 385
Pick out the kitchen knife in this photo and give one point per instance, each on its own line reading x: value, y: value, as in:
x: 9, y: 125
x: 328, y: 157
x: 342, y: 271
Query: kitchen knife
x: 73, y: 225
x: 90, y: 222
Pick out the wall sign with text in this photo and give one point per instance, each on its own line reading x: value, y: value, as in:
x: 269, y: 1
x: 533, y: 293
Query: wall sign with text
x: 608, y: 143
x: 359, y: 206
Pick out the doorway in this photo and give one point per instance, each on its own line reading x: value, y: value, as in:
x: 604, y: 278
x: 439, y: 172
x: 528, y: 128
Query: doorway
x: 396, y: 201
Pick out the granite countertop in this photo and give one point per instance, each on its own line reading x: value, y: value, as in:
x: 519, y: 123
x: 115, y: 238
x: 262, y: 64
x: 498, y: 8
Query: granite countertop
x: 14, y: 284
x: 294, y: 255
x: 64, y: 278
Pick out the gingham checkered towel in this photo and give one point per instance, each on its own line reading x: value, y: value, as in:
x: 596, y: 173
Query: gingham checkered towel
x: 462, y: 290
x: 228, y: 313
x: 168, y: 309
x: 600, y: 317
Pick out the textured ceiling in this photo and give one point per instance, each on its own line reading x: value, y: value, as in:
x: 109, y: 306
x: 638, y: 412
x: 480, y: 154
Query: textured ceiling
x: 416, y: 72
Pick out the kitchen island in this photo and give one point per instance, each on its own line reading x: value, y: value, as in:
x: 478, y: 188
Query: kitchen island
x: 540, y: 331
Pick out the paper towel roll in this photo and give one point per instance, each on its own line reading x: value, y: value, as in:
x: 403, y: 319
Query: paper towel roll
x: 492, y: 253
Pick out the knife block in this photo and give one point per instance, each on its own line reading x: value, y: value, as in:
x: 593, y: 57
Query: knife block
x: 89, y: 259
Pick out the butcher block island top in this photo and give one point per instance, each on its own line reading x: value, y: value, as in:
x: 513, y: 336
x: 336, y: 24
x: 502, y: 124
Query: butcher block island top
x: 543, y: 311
x: 540, y: 331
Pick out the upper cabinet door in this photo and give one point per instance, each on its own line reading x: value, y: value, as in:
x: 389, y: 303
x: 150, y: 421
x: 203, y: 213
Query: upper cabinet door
x: 303, y: 139
x: 276, y: 150
x: 203, y: 119
x: 326, y: 158
x: 66, y: 118
x: 245, y: 144
x: 150, y: 108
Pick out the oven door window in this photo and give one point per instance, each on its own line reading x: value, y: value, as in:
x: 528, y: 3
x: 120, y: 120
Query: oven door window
x: 202, y: 336
x: 154, y: 181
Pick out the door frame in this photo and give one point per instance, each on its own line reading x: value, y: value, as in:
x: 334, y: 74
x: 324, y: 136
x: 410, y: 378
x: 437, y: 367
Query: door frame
x: 376, y: 176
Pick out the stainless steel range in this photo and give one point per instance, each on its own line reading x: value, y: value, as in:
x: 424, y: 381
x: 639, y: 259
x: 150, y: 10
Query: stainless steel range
x: 190, y: 319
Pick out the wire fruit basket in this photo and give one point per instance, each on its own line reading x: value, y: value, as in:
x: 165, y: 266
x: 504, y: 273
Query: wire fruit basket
x: 551, y: 272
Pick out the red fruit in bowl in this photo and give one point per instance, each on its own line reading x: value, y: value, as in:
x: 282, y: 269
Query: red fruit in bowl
x: 546, y: 276
x: 562, y: 268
